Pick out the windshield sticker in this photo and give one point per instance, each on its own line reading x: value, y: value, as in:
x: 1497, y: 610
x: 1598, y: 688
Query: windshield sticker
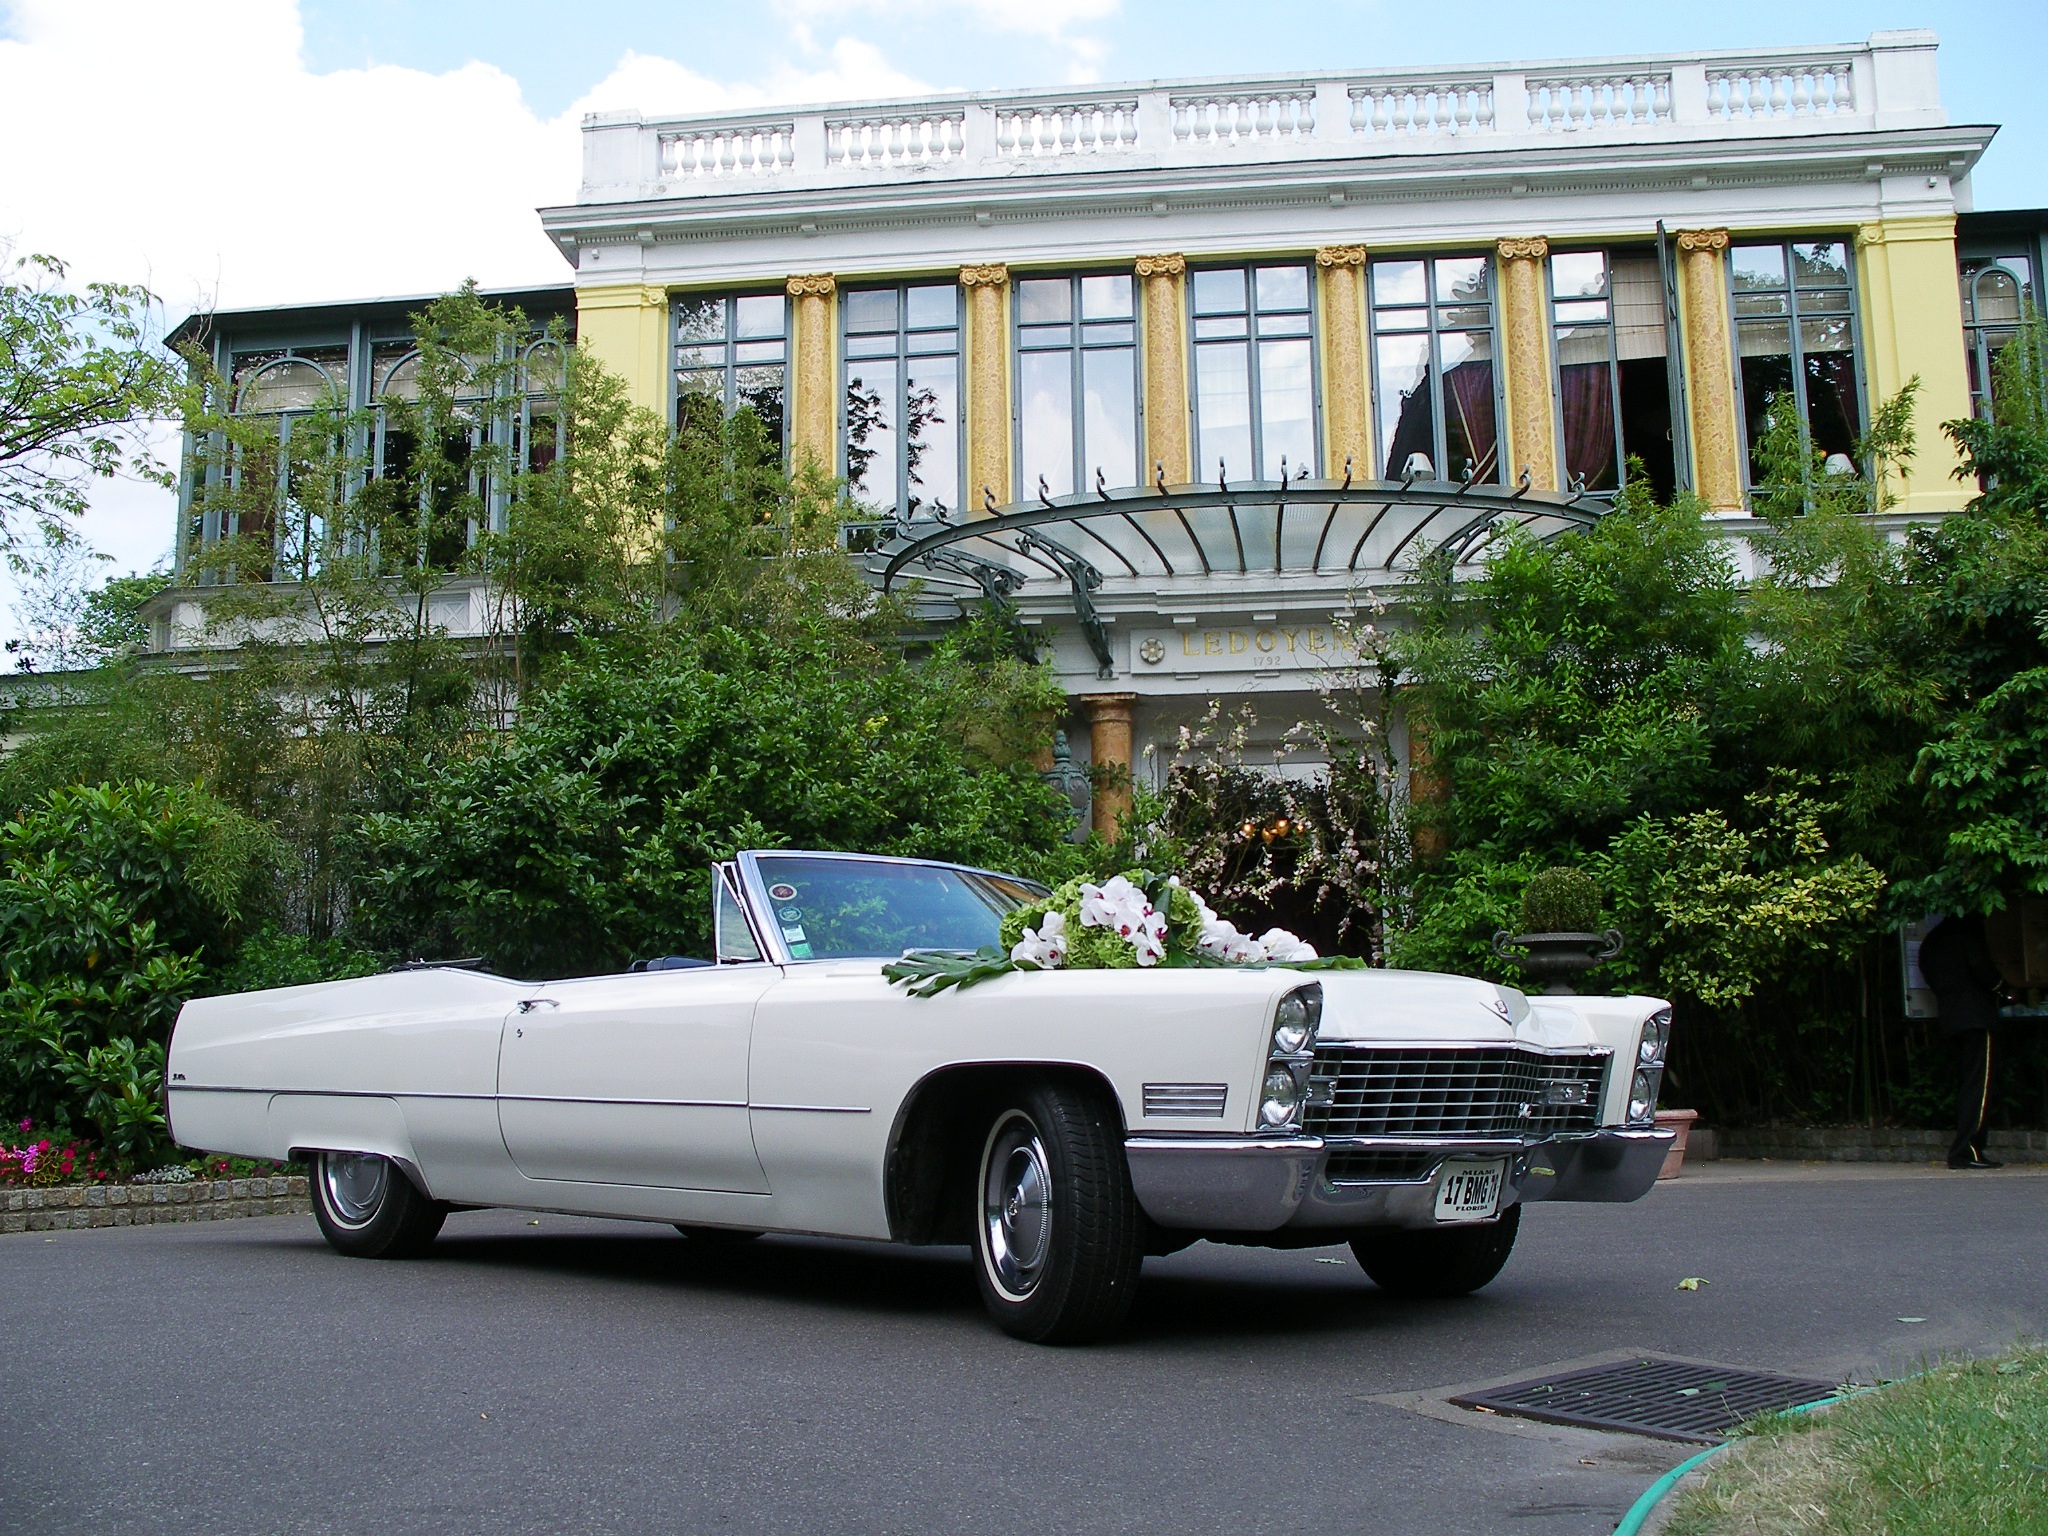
x: 794, y: 933
x: 782, y: 892
x: 799, y: 951
x: 791, y: 914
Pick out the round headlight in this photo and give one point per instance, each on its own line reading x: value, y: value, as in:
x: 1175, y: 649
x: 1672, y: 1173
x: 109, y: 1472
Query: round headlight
x: 1656, y: 1037
x: 1282, y: 1100
x: 1642, y: 1096
x: 1291, y: 1025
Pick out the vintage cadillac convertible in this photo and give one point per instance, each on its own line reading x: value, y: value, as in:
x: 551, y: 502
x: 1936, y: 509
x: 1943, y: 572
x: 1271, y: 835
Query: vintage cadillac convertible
x: 1065, y: 1123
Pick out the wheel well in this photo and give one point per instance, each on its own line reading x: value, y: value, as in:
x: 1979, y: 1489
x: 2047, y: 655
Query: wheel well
x: 936, y: 1142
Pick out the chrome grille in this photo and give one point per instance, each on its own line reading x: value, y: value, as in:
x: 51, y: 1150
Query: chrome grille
x: 1195, y: 1101
x: 1492, y: 1090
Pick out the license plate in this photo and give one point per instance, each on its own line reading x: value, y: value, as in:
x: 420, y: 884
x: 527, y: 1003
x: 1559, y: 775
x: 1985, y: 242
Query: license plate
x: 1470, y: 1191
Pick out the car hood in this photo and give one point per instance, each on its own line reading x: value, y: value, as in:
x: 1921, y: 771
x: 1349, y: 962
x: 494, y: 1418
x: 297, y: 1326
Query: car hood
x: 1417, y: 1006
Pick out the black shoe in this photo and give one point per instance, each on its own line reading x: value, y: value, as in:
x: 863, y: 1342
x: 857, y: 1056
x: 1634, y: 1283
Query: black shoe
x: 1974, y: 1160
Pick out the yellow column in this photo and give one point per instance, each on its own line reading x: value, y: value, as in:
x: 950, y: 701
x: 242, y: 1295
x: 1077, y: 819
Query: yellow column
x: 1718, y: 472
x: 988, y: 384
x: 626, y: 328
x: 1109, y: 752
x: 1162, y: 312
x: 1347, y: 394
x: 1531, y: 435
x: 813, y: 374
x: 1913, y: 324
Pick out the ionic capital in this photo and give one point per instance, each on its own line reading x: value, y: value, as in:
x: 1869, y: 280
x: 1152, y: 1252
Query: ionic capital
x: 816, y: 285
x: 1703, y: 239
x: 993, y: 275
x: 1162, y: 266
x: 1523, y: 248
x: 1341, y: 256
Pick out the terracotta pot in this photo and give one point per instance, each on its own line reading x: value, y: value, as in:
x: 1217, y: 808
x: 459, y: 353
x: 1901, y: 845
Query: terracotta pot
x: 1679, y: 1120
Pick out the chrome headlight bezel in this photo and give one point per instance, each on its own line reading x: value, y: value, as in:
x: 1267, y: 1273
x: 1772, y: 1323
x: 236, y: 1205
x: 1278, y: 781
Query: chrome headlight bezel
x: 1290, y: 1052
x: 1646, y: 1080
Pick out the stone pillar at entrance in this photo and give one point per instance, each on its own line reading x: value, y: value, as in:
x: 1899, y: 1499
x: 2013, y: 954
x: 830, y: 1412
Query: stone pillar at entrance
x: 1531, y: 438
x: 1162, y: 312
x: 813, y: 388
x: 1347, y: 392
x: 986, y: 289
x: 1717, y: 468
x: 1109, y: 747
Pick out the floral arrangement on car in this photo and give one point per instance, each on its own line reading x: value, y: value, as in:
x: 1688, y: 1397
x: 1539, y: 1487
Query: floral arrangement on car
x: 1136, y: 918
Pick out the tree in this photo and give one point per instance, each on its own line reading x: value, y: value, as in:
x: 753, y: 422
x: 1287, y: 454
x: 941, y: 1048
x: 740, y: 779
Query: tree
x: 583, y: 839
x: 79, y: 381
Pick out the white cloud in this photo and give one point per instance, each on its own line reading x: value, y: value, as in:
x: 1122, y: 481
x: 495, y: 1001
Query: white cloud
x: 1052, y: 20
x: 662, y: 86
x: 185, y: 144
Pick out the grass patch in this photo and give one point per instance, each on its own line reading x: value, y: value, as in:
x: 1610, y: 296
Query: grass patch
x: 1962, y: 1449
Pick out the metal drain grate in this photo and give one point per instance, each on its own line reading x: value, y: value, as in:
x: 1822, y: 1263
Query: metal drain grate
x: 1667, y: 1399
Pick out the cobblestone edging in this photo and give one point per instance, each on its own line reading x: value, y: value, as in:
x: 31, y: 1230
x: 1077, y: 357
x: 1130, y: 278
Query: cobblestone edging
x: 1863, y: 1144
x: 137, y: 1205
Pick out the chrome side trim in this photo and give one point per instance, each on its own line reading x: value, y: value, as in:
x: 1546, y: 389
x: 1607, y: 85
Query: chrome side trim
x: 814, y: 1109
x: 497, y: 1098
x: 1192, y: 1101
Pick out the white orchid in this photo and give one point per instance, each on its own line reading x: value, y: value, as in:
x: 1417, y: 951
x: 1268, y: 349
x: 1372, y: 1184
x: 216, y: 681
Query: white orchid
x: 1281, y: 945
x: 1123, y: 909
x: 1045, y: 948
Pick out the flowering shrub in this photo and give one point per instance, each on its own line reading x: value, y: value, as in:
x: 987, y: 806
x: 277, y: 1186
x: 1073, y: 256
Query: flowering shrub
x: 42, y: 1162
x: 1130, y: 920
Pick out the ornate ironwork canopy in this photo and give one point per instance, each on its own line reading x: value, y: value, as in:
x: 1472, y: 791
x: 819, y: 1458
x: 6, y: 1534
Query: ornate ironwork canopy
x: 1145, y: 534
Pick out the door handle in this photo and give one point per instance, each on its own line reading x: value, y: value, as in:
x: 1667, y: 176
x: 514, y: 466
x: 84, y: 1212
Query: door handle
x: 535, y: 1004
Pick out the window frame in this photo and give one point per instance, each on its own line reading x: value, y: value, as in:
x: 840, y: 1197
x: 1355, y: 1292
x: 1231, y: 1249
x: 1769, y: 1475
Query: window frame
x: 1847, y: 240
x: 1435, y: 330
x: 1977, y: 333
x: 902, y: 358
x: 1077, y: 347
x: 728, y: 369
x: 1256, y: 415
x: 1611, y: 326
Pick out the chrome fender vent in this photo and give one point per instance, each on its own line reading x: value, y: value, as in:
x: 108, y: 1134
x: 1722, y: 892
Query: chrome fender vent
x: 1191, y: 1101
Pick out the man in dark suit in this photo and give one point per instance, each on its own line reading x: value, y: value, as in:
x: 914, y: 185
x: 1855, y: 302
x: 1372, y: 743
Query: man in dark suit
x: 1957, y: 963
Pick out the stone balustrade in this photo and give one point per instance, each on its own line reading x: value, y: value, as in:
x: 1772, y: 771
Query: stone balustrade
x: 1887, y: 82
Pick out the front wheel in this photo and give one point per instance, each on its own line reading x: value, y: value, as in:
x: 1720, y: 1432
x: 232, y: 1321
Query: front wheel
x: 1058, y: 1234
x: 368, y: 1209
x: 1453, y: 1261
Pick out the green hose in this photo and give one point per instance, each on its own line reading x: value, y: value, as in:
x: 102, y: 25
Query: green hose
x: 1638, y: 1512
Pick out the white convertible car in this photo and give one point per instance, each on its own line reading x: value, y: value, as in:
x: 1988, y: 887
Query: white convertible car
x: 1065, y: 1123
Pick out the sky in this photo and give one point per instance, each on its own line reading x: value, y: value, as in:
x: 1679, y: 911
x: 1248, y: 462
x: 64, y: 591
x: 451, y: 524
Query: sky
x: 237, y: 152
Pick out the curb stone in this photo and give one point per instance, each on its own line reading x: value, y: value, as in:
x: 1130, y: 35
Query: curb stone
x: 67, y: 1207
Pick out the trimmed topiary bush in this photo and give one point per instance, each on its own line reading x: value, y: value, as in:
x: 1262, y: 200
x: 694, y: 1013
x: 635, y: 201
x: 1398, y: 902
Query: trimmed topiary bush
x: 1561, y: 900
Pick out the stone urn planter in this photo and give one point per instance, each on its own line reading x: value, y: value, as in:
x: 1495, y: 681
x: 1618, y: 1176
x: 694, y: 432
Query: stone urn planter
x: 1555, y: 958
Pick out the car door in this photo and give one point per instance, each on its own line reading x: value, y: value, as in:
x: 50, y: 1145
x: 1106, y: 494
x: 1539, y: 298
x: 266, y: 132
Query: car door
x: 635, y: 1079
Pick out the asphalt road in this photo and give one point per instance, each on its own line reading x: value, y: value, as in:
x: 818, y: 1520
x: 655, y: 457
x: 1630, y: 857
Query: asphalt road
x: 582, y: 1376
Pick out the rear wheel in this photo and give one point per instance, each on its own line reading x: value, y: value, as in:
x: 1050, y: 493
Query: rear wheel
x: 1450, y: 1261
x: 368, y: 1209
x: 1058, y: 1234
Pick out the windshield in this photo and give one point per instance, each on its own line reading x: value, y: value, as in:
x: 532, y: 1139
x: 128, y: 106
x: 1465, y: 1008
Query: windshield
x: 835, y: 909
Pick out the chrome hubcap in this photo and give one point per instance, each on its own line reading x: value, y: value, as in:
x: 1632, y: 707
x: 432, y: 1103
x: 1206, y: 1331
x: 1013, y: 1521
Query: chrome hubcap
x: 354, y: 1183
x: 1016, y: 1206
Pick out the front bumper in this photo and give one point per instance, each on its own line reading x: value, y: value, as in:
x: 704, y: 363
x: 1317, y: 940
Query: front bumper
x: 1264, y: 1184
